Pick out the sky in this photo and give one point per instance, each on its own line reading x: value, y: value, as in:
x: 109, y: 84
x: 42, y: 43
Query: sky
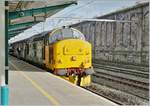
x: 84, y: 9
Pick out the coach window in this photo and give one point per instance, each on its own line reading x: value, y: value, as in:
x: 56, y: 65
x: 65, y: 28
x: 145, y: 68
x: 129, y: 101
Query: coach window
x: 34, y: 47
x: 27, y: 45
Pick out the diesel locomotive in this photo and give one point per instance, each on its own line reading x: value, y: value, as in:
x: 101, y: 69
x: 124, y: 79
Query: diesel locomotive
x: 64, y: 51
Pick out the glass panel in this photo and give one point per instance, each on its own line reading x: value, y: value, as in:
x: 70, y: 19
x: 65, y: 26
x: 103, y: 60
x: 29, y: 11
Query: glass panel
x: 65, y: 33
x: 78, y: 35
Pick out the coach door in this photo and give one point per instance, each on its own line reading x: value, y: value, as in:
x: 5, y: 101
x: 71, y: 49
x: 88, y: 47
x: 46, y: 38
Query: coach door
x: 47, y: 56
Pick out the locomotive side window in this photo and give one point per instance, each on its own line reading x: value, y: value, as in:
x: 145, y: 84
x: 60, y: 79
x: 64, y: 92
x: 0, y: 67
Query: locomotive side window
x: 55, y: 36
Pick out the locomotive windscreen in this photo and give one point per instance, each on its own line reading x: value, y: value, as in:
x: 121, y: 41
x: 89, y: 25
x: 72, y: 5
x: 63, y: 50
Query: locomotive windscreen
x: 65, y: 33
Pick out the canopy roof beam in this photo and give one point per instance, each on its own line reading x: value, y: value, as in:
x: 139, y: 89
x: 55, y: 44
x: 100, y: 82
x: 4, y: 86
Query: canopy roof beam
x: 22, y: 25
x: 36, y: 11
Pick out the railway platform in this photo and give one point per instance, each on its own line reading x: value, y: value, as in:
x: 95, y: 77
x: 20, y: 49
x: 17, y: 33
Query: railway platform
x: 30, y: 85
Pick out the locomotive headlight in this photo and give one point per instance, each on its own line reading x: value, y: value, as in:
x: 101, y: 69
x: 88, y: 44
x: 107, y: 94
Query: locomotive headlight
x: 87, y: 61
x: 87, y: 53
x: 73, y: 58
x: 80, y: 50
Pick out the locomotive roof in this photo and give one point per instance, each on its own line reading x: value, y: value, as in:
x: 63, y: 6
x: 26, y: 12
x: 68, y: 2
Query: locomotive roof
x: 57, y: 34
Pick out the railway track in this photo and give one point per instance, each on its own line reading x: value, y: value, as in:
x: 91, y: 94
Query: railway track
x: 134, y: 72
x: 125, y: 81
x: 131, y: 81
x: 118, y: 97
x: 94, y: 90
x: 126, y: 66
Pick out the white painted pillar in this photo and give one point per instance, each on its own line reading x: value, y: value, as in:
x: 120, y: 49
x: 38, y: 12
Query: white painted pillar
x: 2, y: 42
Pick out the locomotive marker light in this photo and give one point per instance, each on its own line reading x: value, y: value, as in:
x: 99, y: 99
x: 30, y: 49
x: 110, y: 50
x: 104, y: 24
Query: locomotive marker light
x: 4, y: 87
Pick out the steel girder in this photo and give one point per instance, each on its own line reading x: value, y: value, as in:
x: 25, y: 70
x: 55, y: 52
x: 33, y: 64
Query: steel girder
x: 36, y: 11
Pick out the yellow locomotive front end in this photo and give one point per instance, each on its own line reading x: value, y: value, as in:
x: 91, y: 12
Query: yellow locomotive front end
x: 71, y: 58
x: 72, y: 53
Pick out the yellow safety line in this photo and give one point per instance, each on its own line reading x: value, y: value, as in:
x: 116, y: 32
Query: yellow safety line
x: 38, y: 87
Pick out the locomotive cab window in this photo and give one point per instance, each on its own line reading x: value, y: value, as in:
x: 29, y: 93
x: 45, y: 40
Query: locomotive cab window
x: 65, y: 33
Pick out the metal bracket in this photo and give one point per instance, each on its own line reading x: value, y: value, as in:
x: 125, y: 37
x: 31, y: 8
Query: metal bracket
x: 6, y: 67
x: 6, y: 7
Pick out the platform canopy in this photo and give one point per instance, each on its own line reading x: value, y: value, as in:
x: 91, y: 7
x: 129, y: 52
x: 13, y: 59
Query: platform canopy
x: 25, y: 14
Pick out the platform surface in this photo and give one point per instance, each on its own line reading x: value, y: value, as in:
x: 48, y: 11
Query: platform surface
x: 30, y: 85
